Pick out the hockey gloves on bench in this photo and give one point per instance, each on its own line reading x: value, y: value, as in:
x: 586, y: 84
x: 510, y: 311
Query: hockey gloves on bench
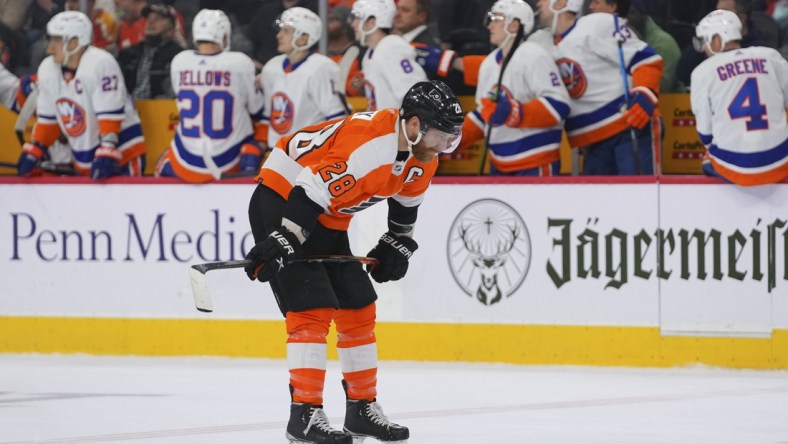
x: 641, y: 107
x: 392, y: 253
x: 251, y: 155
x: 502, y: 109
x: 30, y: 159
x: 106, y: 163
x: 272, y: 254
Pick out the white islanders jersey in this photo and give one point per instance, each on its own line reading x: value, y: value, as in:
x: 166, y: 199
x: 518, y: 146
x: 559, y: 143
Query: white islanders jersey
x: 217, y: 101
x: 591, y: 70
x: 739, y: 99
x: 531, y: 74
x: 300, y: 94
x: 389, y: 71
x: 96, y: 93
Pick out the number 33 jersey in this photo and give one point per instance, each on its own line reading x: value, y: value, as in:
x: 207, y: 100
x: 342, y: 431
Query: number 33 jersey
x: 348, y: 165
x: 217, y: 99
x: 95, y: 101
x: 739, y: 99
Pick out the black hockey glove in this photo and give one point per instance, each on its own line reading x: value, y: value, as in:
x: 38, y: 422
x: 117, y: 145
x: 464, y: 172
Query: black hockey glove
x: 392, y: 253
x: 272, y: 254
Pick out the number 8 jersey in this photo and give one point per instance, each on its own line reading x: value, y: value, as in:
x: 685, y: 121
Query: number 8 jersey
x: 217, y: 100
x: 739, y: 99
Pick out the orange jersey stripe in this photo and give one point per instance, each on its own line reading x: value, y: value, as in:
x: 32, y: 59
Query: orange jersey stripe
x: 527, y: 163
x: 649, y: 75
x: 746, y: 179
x: 598, y: 134
x: 46, y: 133
x: 109, y: 126
x: 470, y: 69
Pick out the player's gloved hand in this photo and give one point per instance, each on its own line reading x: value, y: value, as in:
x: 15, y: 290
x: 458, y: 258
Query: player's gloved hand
x: 393, y: 253
x: 642, y: 103
x: 251, y: 154
x: 433, y: 59
x: 27, y: 83
x: 106, y: 162
x: 272, y: 254
x: 505, y: 111
x: 30, y: 159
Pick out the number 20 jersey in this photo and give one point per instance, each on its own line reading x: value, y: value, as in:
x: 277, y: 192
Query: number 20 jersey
x: 217, y: 100
x: 739, y: 99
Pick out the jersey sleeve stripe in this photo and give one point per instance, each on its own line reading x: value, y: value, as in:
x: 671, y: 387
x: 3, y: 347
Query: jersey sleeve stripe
x: 119, y: 111
x: 561, y: 109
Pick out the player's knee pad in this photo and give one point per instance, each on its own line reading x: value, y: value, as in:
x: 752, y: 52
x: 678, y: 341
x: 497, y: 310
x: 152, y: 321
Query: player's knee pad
x: 355, y: 326
x: 309, y: 325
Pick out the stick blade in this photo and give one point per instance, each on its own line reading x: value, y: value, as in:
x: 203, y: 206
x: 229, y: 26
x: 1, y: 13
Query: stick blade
x: 202, y: 300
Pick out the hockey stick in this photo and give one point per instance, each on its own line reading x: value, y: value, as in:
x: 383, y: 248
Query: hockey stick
x: 24, y: 116
x: 632, y: 133
x: 517, y: 39
x: 350, y: 56
x: 47, y: 167
x: 202, y: 299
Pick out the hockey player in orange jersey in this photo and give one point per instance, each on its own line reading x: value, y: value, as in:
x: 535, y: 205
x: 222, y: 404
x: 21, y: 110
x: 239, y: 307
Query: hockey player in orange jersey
x: 309, y: 188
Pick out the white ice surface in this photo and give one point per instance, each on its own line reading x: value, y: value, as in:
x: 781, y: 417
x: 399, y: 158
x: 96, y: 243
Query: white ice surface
x: 84, y: 399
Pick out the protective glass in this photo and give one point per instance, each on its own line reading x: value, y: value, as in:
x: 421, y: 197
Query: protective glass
x: 698, y: 43
x: 443, y: 142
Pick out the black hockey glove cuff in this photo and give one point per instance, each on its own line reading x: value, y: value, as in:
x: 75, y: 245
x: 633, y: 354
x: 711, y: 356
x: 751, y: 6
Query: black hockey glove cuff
x: 393, y: 253
x: 272, y: 255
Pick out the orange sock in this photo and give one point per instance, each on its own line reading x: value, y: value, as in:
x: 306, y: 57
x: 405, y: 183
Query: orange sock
x: 306, y: 353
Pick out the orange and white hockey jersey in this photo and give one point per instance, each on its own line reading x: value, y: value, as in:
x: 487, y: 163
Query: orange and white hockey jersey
x: 531, y: 75
x: 389, y: 71
x: 95, y: 101
x: 590, y: 68
x: 300, y: 94
x: 218, y: 101
x: 739, y: 98
x: 348, y: 165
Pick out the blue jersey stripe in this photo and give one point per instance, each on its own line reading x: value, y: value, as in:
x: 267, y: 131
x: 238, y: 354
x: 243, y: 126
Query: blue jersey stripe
x: 527, y: 143
x: 751, y: 160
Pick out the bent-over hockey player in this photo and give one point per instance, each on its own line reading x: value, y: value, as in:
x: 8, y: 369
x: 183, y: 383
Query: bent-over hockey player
x: 310, y: 187
x: 739, y: 96
x: 81, y: 94
x: 220, y: 107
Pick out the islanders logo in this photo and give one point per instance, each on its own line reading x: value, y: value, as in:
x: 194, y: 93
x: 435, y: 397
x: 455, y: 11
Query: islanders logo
x: 72, y: 116
x: 282, y: 112
x: 489, y: 250
x: 573, y: 77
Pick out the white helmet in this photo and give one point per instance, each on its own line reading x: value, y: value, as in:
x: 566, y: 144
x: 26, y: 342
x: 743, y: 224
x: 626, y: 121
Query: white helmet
x: 514, y: 9
x: 569, y: 6
x: 212, y: 25
x: 303, y: 21
x: 71, y: 25
x: 383, y: 11
x: 721, y: 22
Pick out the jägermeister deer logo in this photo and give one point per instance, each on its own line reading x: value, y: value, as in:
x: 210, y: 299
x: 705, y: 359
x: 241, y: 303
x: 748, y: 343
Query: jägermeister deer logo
x: 489, y: 250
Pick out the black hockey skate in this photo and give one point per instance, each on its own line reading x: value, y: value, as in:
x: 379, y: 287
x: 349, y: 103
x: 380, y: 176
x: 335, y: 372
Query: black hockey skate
x: 309, y: 424
x: 365, y: 419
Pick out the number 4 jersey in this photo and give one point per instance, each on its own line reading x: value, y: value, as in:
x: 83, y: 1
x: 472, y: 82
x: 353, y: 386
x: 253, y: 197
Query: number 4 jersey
x: 218, y: 101
x: 348, y: 165
x: 739, y: 99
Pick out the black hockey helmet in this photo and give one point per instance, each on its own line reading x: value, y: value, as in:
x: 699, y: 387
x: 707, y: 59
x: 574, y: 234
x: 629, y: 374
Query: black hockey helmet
x: 435, y: 104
